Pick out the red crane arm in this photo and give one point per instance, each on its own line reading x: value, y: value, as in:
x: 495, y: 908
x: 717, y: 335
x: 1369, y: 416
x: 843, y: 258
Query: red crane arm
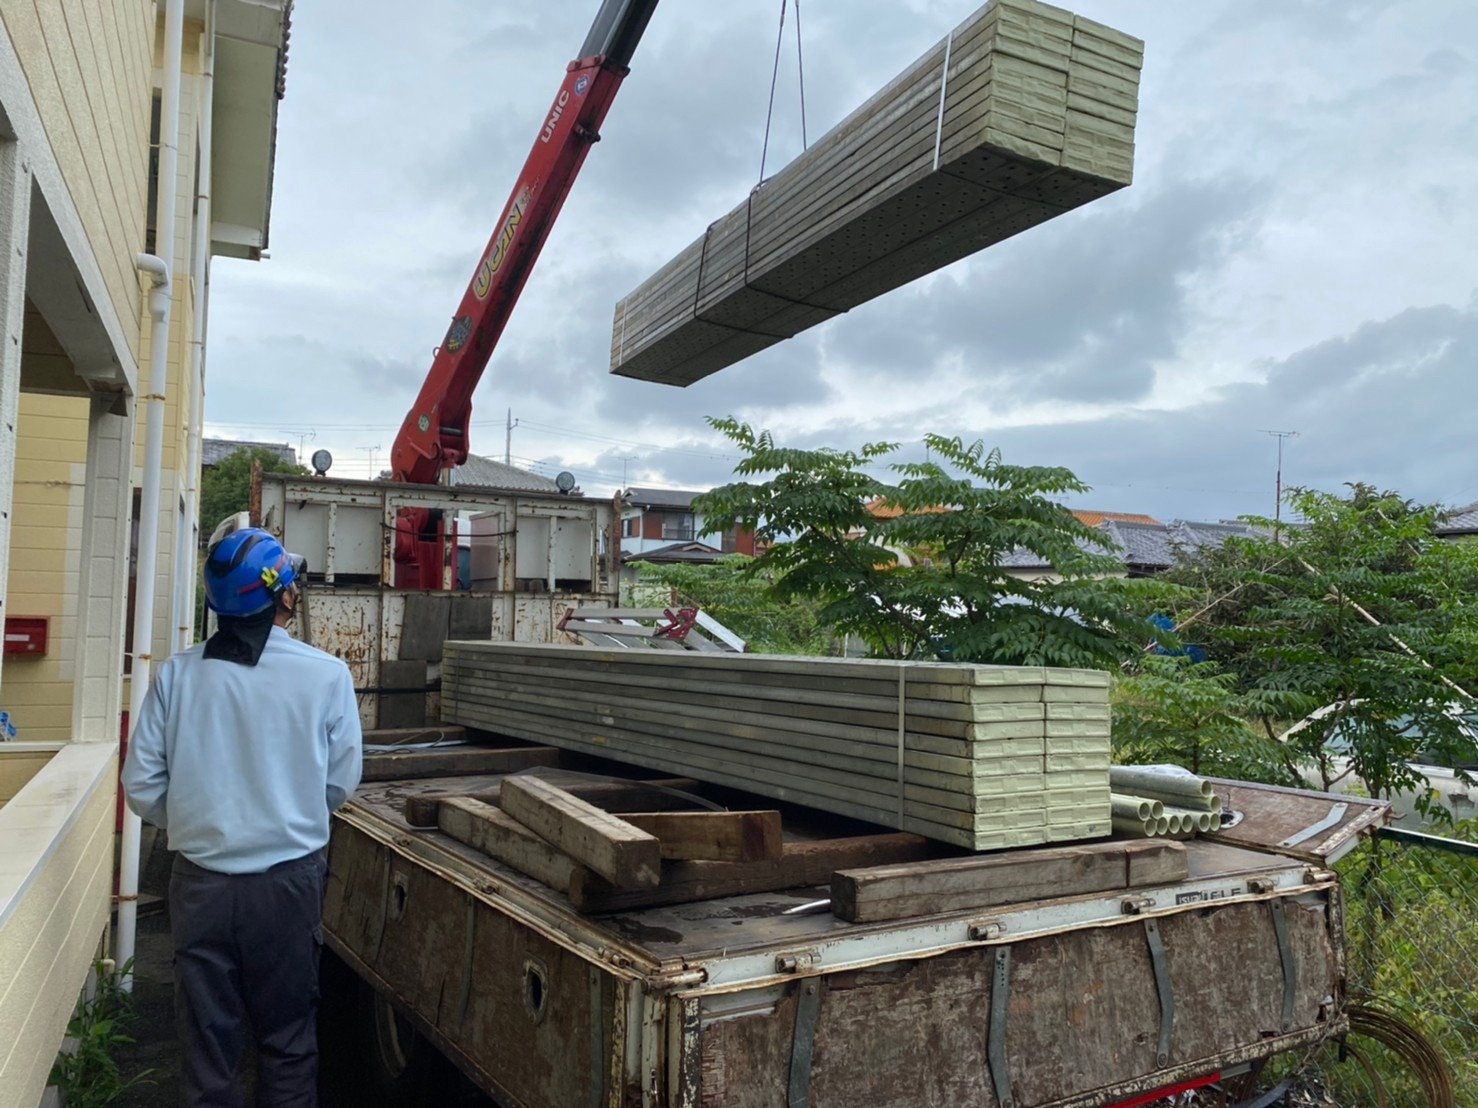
x: 434, y: 436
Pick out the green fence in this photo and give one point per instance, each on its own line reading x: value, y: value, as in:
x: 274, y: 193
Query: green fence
x: 1411, y: 907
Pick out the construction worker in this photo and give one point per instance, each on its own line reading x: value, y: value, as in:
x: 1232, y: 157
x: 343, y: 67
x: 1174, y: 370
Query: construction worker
x: 244, y: 746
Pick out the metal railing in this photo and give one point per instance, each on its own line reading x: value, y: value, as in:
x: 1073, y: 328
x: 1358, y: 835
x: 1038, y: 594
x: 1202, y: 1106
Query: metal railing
x: 1411, y: 922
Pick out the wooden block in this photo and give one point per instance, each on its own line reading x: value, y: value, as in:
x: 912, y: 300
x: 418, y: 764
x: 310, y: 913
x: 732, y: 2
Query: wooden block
x: 961, y: 884
x: 713, y: 836
x: 1156, y: 863
x: 658, y: 794
x: 408, y: 764
x: 500, y: 836
x: 800, y: 866
x: 624, y: 855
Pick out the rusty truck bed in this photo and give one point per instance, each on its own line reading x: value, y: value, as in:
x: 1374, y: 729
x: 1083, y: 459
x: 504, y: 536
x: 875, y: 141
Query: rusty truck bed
x: 766, y: 999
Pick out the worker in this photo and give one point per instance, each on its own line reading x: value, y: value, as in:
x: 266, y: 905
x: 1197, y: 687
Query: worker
x: 244, y: 746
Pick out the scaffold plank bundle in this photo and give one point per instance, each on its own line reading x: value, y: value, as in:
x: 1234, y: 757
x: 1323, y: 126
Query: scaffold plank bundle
x: 978, y: 756
x: 1024, y: 112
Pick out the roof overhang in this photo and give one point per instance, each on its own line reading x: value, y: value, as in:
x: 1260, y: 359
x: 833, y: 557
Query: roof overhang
x: 251, y: 39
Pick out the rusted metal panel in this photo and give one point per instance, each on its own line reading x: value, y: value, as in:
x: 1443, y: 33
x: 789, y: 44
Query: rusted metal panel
x: 1082, y: 1020
x: 516, y: 1010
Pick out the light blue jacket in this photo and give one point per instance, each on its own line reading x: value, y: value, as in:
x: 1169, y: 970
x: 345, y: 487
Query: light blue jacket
x: 243, y: 764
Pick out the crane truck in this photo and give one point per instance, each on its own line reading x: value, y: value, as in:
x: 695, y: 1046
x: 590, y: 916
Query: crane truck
x: 743, y: 991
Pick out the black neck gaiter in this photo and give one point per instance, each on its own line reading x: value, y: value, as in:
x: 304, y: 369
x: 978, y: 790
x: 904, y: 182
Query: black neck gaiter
x: 241, y: 639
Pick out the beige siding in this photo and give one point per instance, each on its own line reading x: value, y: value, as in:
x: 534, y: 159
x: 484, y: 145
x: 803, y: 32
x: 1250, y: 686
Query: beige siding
x: 45, y: 559
x: 50, y: 931
x: 89, y: 66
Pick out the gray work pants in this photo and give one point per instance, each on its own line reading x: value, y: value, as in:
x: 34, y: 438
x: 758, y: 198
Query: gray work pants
x: 246, y: 962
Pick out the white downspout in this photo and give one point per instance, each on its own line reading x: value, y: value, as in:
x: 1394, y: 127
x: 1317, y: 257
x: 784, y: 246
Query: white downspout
x: 160, y: 298
x: 201, y: 269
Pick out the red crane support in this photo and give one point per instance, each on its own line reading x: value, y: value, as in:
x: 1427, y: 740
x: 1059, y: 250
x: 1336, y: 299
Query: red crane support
x: 434, y: 437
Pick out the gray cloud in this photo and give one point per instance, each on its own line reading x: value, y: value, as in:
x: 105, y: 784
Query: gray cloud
x: 1295, y: 253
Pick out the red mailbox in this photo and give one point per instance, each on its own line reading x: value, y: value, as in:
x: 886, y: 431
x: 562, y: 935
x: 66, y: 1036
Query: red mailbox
x: 25, y: 634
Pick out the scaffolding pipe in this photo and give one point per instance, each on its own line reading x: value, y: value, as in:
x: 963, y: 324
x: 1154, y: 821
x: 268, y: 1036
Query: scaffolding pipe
x: 160, y: 297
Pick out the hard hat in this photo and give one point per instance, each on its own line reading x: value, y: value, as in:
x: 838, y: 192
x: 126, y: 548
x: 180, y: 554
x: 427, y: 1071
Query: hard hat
x: 247, y: 571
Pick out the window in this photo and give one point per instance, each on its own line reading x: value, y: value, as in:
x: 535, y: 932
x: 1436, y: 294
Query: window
x: 678, y: 527
x: 631, y: 526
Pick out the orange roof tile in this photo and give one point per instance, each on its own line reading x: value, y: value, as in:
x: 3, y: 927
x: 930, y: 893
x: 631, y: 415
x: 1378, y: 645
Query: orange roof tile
x: 1093, y: 519
x: 878, y: 510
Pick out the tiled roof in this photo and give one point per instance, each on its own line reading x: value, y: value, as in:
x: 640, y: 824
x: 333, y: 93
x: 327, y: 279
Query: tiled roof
x: 215, y: 451
x: 487, y: 474
x: 880, y: 510
x: 660, y: 498
x: 1094, y: 519
x: 1144, y: 547
x: 676, y: 552
x: 1460, y: 521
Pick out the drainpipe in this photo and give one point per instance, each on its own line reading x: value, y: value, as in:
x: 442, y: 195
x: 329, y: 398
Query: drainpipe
x: 185, y: 602
x: 160, y: 297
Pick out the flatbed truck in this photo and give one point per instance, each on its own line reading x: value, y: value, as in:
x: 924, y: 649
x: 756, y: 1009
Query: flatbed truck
x: 765, y: 1000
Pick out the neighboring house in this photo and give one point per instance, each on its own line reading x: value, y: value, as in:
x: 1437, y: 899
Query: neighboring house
x: 660, y: 527
x: 215, y: 451
x: 656, y: 518
x: 879, y: 509
x: 1461, y: 523
x: 78, y: 183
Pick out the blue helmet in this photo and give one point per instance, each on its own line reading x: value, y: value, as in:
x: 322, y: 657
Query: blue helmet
x: 247, y: 571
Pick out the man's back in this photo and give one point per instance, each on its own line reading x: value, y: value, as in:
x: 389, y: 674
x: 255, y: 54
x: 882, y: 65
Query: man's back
x: 243, y: 764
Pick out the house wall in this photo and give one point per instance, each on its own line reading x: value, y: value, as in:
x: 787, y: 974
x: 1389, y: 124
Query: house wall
x: 55, y: 888
x: 45, y: 560
x: 89, y: 65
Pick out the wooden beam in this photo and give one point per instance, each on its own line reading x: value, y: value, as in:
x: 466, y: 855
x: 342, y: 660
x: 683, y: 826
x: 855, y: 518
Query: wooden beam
x: 624, y: 855
x: 404, y: 765
x: 800, y: 865
x: 500, y: 836
x: 609, y: 796
x: 960, y: 884
x: 713, y: 836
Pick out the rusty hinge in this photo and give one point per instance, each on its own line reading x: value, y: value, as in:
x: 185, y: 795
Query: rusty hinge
x: 797, y: 961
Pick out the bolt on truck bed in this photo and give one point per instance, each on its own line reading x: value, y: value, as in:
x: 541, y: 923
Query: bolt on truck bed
x: 765, y: 998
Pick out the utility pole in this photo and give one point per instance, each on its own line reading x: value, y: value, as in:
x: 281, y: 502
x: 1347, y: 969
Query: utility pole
x: 508, y: 439
x: 1278, y: 504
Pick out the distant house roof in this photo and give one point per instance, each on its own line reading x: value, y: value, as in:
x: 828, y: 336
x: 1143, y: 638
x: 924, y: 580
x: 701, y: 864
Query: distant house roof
x: 1460, y: 521
x: 878, y: 509
x: 676, y: 552
x: 488, y: 474
x: 215, y: 451
x: 1146, y: 547
x: 660, y: 498
x: 1094, y: 519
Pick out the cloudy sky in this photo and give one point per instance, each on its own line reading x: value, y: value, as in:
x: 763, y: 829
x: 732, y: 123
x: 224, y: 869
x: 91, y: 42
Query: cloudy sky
x: 1297, y: 252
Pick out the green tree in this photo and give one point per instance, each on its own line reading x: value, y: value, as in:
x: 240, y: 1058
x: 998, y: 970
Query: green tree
x: 226, y: 488
x: 926, y: 575
x: 742, y: 602
x: 1173, y: 709
x: 1349, y: 617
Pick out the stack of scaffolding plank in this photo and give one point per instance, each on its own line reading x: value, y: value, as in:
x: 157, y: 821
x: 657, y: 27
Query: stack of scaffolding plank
x: 977, y: 756
x: 1025, y: 111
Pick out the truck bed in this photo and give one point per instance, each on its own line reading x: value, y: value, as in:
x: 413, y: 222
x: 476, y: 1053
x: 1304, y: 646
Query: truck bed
x: 767, y: 999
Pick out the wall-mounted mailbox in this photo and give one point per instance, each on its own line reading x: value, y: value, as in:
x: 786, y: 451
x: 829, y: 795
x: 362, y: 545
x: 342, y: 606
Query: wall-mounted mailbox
x: 25, y: 634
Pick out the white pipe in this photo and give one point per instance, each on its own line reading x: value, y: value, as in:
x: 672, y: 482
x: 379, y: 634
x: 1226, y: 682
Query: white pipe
x: 201, y: 269
x: 160, y: 298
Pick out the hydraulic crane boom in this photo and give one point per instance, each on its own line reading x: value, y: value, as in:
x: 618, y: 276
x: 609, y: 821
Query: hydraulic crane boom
x: 434, y: 436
